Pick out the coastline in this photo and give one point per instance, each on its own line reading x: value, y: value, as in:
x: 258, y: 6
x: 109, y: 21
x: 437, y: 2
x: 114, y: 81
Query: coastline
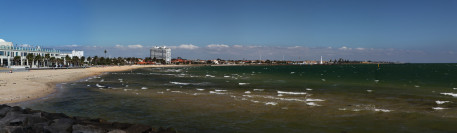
x: 24, y: 86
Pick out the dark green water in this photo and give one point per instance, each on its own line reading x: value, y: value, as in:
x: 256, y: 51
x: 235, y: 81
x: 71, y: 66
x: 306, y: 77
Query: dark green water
x: 337, y: 98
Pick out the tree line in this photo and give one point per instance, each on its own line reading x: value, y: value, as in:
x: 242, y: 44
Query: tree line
x: 75, y: 61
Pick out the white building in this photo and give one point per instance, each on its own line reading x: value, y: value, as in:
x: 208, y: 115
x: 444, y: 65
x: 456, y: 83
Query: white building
x: 8, y: 52
x: 73, y: 53
x: 161, y: 53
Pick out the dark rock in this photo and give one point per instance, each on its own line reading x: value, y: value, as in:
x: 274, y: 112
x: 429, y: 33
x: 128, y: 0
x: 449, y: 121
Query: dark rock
x: 118, y: 125
x: 86, y: 129
x: 18, y: 120
x: 117, y: 131
x: 168, y: 130
x: 52, y: 116
x: 139, y: 129
x: 4, y: 110
x: 63, y: 125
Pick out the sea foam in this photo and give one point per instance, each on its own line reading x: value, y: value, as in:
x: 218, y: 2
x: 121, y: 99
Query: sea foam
x: 441, y: 102
x: 180, y: 83
x: 292, y: 93
x: 271, y: 103
x: 450, y: 94
x: 99, y: 86
x: 439, y: 108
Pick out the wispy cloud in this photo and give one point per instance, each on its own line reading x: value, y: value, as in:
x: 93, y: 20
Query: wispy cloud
x: 25, y: 45
x: 185, y: 46
x: 217, y: 46
x: 135, y: 46
x: 117, y: 46
x: 72, y: 46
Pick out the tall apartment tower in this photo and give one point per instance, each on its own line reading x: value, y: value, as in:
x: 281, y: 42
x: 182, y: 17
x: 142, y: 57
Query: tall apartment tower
x: 161, y: 53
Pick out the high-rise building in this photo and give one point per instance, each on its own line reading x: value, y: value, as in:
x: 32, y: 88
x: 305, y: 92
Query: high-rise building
x: 161, y: 53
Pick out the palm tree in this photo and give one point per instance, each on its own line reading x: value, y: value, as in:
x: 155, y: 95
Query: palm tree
x: 16, y: 59
x: 53, y: 60
x: 59, y: 61
x: 67, y: 60
x: 38, y: 59
x: 101, y: 61
x: 47, y: 57
x: 95, y: 60
x: 89, y: 59
x: 105, y: 53
x: 75, y: 61
x: 81, y: 60
x: 30, y: 59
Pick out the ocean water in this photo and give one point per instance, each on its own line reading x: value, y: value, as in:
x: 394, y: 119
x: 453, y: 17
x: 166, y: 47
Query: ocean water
x: 318, y: 98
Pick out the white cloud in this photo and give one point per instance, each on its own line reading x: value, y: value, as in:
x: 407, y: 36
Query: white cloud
x: 185, y: 46
x: 294, y: 47
x: 360, y: 48
x: 135, y: 46
x: 25, y: 45
x: 254, y: 46
x: 73, y: 45
x: 118, y: 46
x: 237, y: 46
x: 1, y: 40
x: 345, y: 48
x: 217, y: 46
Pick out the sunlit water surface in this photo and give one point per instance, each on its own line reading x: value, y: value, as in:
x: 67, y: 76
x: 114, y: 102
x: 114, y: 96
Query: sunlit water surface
x: 336, y: 98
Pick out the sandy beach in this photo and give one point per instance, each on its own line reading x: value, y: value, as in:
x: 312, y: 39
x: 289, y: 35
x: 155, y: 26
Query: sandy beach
x: 23, y: 86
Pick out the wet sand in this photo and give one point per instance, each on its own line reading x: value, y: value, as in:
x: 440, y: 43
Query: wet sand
x: 23, y: 86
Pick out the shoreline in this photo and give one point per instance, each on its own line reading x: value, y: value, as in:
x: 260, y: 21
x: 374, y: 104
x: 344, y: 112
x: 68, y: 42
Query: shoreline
x: 19, y: 87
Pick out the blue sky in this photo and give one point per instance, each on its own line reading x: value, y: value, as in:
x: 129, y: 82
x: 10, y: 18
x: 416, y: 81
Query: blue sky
x: 396, y: 30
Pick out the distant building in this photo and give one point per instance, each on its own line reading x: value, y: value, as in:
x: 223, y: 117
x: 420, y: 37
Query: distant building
x: 8, y: 52
x: 73, y: 53
x: 161, y: 53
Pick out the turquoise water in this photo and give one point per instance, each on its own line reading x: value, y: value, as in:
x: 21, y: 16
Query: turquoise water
x: 333, y: 98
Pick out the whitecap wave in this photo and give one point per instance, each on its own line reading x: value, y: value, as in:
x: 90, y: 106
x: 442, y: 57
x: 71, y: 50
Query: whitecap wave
x: 312, y: 104
x: 214, y: 92
x: 450, y: 94
x: 271, y: 103
x: 314, y: 100
x: 220, y: 90
x: 254, y: 101
x: 258, y: 89
x: 439, y: 108
x: 292, y: 93
x: 99, y: 86
x: 180, y: 83
x: 243, y: 83
x: 441, y: 102
x: 198, y: 89
x: 247, y: 92
x: 144, y: 88
x: 382, y: 110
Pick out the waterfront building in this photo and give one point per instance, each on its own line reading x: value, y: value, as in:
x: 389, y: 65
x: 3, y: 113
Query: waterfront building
x: 161, y: 53
x: 8, y: 53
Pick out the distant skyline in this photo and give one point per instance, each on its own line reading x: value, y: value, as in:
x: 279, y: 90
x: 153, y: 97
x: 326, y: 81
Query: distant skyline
x: 388, y: 30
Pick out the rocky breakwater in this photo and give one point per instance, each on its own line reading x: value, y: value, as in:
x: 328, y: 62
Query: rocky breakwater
x: 18, y: 120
